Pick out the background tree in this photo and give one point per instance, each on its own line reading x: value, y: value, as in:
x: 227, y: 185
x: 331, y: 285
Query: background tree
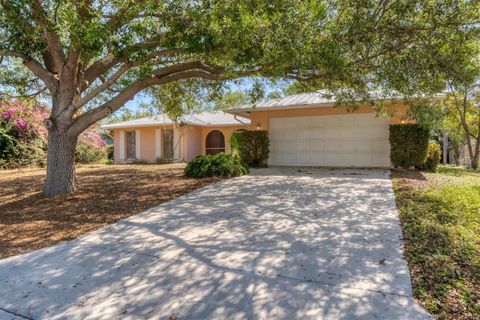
x: 455, y: 134
x: 459, y: 64
x: 463, y: 112
x: 91, y: 57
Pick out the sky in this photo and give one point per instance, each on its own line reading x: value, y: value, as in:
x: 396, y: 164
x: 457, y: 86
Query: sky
x: 245, y: 85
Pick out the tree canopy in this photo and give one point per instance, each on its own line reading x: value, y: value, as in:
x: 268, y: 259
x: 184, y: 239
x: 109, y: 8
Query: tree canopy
x: 91, y: 57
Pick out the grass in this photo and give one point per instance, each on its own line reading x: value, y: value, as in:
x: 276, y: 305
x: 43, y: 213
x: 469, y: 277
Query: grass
x: 106, y: 194
x: 440, y: 215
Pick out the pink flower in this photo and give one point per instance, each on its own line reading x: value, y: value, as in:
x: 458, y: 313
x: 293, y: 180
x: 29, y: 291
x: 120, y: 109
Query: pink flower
x: 8, y: 114
x: 21, y: 125
x: 92, y: 139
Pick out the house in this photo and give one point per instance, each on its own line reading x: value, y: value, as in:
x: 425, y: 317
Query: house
x: 304, y: 130
x: 161, y: 139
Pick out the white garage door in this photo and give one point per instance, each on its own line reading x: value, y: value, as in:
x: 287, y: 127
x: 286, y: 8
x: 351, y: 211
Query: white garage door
x: 353, y: 140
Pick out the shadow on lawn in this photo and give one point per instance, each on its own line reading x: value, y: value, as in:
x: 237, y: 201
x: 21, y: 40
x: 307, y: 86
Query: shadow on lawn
x: 285, y: 245
x: 30, y: 221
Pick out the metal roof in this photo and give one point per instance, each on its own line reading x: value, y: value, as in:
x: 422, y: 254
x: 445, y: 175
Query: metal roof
x: 320, y: 98
x: 301, y: 99
x: 203, y: 119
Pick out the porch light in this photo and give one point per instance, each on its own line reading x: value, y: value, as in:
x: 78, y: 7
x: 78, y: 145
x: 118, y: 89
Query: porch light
x: 259, y: 126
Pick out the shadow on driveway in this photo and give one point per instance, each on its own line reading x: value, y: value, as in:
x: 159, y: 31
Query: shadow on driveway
x: 281, y: 243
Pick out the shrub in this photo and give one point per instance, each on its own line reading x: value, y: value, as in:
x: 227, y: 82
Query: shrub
x: 408, y: 145
x: 87, y: 154
x: 251, y: 146
x: 218, y: 165
x: 22, y: 135
x: 91, y: 148
x: 434, y: 154
x: 110, y: 152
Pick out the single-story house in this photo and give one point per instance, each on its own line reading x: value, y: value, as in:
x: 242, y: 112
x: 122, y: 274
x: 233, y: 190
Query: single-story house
x: 159, y: 138
x: 304, y: 130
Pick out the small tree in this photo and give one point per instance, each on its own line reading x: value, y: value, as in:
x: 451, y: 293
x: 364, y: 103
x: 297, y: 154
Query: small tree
x: 460, y: 66
x: 456, y: 135
x: 464, y: 107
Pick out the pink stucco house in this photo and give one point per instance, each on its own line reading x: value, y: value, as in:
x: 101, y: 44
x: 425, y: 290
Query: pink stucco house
x: 304, y: 130
x: 157, y: 138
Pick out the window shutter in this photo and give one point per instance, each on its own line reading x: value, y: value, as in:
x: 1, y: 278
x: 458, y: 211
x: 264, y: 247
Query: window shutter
x: 137, y: 144
x: 121, y: 138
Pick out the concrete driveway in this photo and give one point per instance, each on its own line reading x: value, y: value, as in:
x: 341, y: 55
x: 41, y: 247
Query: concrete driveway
x: 281, y: 243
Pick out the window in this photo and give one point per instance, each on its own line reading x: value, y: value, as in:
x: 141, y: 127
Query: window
x: 215, y: 142
x: 167, y: 148
x: 131, y: 146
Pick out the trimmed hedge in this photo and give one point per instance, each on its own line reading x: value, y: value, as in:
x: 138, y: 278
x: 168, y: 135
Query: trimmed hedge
x: 434, y: 155
x: 217, y: 165
x: 408, y: 145
x: 251, y: 146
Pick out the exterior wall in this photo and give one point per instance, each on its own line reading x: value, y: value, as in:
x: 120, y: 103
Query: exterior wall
x: 147, y: 143
x: 261, y: 119
x: 193, y: 142
x: 227, y: 134
x: 194, y: 137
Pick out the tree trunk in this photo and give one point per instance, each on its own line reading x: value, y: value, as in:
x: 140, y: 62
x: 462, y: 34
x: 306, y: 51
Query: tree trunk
x: 474, y: 163
x: 445, y: 147
x: 474, y: 159
x: 456, y: 154
x: 60, y: 163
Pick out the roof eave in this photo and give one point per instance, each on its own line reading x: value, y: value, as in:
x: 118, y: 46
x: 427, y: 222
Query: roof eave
x: 245, y: 112
x: 106, y: 127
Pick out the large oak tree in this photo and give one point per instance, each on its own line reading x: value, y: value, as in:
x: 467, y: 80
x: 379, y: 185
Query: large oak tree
x: 91, y: 57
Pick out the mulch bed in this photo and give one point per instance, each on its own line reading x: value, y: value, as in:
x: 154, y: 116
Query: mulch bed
x: 106, y: 194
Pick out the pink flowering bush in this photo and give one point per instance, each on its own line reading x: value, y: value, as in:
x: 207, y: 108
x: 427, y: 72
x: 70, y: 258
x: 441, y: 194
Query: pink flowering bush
x: 90, y: 147
x: 24, y: 119
x: 23, y: 137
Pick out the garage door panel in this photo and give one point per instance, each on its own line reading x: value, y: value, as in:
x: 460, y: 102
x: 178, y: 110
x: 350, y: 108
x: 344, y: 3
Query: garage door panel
x: 359, y: 140
x: 363, y: 147
x: 303, y: 147
x: 317, y: 147
x: 379, y: 147
x: 303, y: 133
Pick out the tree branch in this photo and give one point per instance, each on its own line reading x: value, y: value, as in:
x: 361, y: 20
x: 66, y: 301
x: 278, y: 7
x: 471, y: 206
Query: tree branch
x: 163, y: 76
x: 35, y: 67
x: 53, y: 40
x: 120, y: 72
x: 102, y: 66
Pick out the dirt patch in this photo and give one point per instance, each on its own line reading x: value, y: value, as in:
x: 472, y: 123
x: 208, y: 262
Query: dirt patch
x: 106, y: 194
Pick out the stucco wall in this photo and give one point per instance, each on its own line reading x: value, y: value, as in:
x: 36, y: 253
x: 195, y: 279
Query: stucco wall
x: 193, y: 142
x: 194, y: 138
x: 261, y: 118
x: 147, y: 142
x: 227, y: 134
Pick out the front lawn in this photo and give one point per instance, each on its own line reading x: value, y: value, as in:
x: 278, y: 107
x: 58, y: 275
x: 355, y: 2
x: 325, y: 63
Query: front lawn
x: 440, y: 215
x: 107, y: 193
